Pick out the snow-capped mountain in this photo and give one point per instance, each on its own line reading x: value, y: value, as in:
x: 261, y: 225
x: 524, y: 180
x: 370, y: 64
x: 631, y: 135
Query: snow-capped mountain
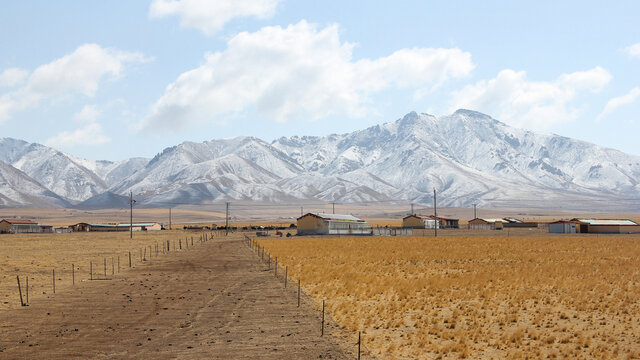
x: 17, y: 189
x: 466, y: 156
x: 69, y: 177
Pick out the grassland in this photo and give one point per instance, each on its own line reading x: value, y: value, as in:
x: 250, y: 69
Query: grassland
x: 36, y: 255
x: 476, y: 296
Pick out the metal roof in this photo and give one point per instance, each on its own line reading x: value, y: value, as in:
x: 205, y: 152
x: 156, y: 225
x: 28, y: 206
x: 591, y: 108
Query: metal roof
x: 19, y: 221
x: 137, y: 224
x: 607, y: 221
x: 337, y: 217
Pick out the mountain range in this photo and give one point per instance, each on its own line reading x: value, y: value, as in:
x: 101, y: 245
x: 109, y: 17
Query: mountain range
x: 467, y: 157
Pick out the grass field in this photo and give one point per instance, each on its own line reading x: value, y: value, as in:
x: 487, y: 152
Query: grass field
x: 36, y: 255
x: 476, y: 296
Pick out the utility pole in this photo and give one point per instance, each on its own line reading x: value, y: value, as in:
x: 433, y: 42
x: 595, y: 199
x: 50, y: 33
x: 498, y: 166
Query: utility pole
x: 227, y: 221
x: 412, y: 213
x: 334, y: 207
x: 131, y: 202
x: 435, y: 214
x: 300, y: 210
x: 474, y: 211
x: 169, y: 218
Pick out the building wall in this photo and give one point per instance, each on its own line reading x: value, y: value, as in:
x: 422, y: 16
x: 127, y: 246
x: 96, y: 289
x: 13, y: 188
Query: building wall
x: 614, y: 229
x: 4, y: 227
x: 562, y: 228
x: 412, y: 222
x: 155, y: 226
x: 309, y: 222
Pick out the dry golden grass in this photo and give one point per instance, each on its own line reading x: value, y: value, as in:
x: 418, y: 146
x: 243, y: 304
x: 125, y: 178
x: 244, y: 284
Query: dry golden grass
x: 36, y: 255
x: 477, y: 296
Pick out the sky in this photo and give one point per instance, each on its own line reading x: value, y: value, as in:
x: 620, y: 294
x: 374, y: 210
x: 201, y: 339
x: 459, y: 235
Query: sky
x: 110, y: 80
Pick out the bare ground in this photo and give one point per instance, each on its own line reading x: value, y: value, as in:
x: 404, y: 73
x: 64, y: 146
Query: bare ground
x: 214, y: 301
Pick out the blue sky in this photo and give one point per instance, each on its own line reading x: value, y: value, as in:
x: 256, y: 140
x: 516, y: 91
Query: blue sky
x: 112, y: 80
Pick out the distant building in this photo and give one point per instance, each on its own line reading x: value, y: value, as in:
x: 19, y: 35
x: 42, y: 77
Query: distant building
x: 606, y: 226
x: 151, y: 226
x: 429, y: 222
x: 332, y: 224
x: 15, y: 226
x: 563, y: 227
x: 486, y: 224
x: 84, y: 227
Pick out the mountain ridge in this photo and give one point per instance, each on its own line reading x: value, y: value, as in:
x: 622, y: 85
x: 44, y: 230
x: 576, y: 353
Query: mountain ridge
x: 467, y: 156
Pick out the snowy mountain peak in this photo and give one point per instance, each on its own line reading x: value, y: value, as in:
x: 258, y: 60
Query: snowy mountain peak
x: 467, y: 156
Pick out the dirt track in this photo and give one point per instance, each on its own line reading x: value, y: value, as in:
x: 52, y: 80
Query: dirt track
x: 216, y: 300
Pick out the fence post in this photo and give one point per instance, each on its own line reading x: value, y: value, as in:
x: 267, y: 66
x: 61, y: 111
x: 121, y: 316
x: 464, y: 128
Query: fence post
x: 105, y: 267
x: 90, y: 270
x: 27, y: 288
x: 73, y: 274
x: 286, y: 271
x: 129, y: 258
x: 359, y: 342
x: 53, y: 276
x: 20, y: 290
x: 113, y: 267
x: 298, y: 292
x: 322, y: 333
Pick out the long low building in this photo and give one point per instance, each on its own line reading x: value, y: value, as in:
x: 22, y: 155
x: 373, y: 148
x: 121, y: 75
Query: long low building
x: 18, y: 226
x: 84, y: 227
x: 594, y: 226
x: 332, y: 224
x: 429, y: 222
x: 486, y: 224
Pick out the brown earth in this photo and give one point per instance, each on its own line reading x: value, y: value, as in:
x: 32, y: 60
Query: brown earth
x: 213, y: 301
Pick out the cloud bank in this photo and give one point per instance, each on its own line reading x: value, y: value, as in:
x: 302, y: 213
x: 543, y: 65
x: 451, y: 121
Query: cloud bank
x: 77, y: 73
x: 297, y: 72
x: 511, y: 98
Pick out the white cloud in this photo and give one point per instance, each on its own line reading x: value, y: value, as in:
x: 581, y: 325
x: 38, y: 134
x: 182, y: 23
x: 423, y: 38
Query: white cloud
x: 90, y: 134
x: 12, y: 77
x: 616, y: 102
x: 79, y: 72
x: 510, y: 97
x: 298, y: 72
x: 210, y: 16
x: 633, y: 50
x: 89, y: 113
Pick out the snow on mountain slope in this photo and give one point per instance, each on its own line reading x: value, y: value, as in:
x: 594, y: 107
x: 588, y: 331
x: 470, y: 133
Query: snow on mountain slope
x: 17, y: 190
x: 467, y: 157
x: 69, y: 177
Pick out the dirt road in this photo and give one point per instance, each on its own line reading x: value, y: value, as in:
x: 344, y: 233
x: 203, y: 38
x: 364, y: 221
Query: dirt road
x: 213, y: 301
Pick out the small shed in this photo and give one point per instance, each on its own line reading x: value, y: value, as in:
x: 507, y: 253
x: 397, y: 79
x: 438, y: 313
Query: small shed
x: 563, y: 227
x: 15, y: 226
x: 486, y: 224
x: 332, y: 224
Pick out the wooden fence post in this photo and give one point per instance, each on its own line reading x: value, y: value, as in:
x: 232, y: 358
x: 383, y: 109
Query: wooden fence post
x: 286, y: 272
x: 105, y: 267
x: 53, y: 276
x: 298, y: 292
x: 359, y: 342
x: 322, y: 333
x: 27, y: 288
x: 20, y: 290
x: 129, y: 258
